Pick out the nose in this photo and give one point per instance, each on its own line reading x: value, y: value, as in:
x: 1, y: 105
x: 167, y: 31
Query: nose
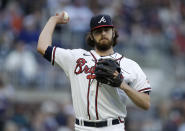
x: 103, y: 32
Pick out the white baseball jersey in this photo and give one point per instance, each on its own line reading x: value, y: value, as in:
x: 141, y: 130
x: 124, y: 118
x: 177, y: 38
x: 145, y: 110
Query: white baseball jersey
x: 93, y: 100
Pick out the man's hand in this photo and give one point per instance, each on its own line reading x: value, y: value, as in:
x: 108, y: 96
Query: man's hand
x: 61, y: 18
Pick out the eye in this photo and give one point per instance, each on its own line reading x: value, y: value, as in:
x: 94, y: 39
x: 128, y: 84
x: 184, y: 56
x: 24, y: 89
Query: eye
x: 106, y: 29
x: 97, y: 31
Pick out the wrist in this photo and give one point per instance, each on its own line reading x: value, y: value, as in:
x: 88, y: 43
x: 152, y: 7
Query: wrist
x: 53, y: 19
x: 123, y: 85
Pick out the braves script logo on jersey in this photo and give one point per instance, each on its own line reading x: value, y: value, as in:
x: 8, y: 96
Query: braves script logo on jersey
x: 102, y: 20
x: 81, y: 67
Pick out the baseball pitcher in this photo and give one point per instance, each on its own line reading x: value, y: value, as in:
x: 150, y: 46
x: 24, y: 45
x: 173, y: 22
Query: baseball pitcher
x: 101, y: 80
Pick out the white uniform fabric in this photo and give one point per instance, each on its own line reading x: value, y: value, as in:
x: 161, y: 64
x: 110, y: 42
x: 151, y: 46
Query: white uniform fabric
x: 92, y: 100
x: 118, y: 127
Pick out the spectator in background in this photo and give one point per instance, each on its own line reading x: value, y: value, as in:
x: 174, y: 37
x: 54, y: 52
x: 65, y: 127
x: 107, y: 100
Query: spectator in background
x: 30, y: 32
x: 6, y: 95
x: 179, y: 54
x: 176, y: 112
x: 45, y: 120
x: 66, y: 117
x: 23, y: 63
x: 80, y: 16
x: 16, y: 17
x: 10, y: 26
x: 12, y: 17
x: 55, y: 6
x: 19, y: 117
x: 6, y: 39
x: 11, y: 126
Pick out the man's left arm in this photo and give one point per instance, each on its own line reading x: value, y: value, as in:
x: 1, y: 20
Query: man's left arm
x: 108, y: 71
x: 141, y: 99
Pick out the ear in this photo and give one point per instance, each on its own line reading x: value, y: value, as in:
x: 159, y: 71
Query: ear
x: 91, y: 37
x: 113, y: 33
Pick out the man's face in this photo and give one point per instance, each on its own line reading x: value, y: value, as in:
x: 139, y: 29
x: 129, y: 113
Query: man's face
x: 103, y: 38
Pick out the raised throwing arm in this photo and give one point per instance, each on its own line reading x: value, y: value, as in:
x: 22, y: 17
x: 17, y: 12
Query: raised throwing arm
x: 45, y: 38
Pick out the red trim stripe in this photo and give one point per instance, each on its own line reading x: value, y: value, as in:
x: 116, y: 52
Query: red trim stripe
x: 53, y: 55
x: 94, y: 58
x: 89, y: 89
x: 88, y: 99
x: 120, y: 120
x: 120, y: 58
x: 145, y: 89
x: 96, y: 97
x: 96, y: 101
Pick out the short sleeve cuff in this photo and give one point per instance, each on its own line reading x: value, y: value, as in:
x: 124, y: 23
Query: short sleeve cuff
x: 50, y: 54
x: 148, y: 89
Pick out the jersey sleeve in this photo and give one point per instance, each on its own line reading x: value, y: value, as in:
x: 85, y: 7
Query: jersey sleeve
x: 141, y: 83
x: 61, y: 57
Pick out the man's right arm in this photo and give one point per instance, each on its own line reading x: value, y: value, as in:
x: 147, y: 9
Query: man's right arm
x: 45, y: 38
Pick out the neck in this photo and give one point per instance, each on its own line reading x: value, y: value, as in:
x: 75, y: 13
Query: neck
x: 105, y: 53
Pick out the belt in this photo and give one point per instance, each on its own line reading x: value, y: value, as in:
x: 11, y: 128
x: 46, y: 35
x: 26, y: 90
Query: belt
x: 98, y: 123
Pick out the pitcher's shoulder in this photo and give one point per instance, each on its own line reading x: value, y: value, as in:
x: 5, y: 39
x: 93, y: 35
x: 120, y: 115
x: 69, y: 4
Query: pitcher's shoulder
x: 80, y: 51
x: 129, y: 62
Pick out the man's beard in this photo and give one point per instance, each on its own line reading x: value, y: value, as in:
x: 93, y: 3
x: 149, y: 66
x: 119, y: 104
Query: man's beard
x: 103, y: 46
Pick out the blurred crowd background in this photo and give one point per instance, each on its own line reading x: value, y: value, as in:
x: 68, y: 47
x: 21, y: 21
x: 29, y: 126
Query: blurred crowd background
x: 34, y: 96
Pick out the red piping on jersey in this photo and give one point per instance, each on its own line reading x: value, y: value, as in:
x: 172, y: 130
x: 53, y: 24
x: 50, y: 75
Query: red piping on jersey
x: 96, y: 99
x: 144, y: 89
x: 88, y: 100
x: 120, y: 120
x: 94, y: 58
x: 53, y: 55
x: 89, y: 89
x: 119, y: 59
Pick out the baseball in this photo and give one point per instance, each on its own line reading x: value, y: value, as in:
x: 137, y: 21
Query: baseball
x: 66, y: 16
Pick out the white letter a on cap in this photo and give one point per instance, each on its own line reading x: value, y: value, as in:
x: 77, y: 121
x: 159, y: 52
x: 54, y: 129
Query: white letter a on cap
x: 102, y: 20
